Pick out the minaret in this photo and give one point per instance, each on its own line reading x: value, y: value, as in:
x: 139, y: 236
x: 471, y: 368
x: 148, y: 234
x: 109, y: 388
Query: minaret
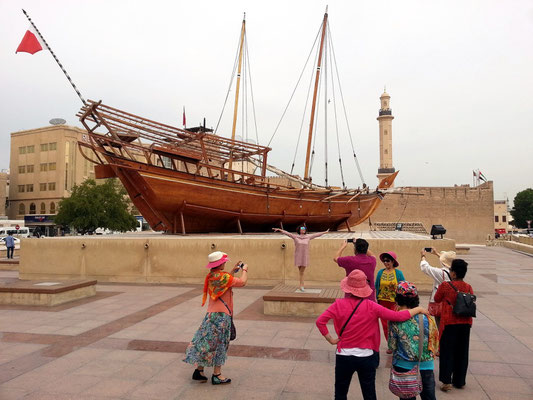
x: 385, y: 138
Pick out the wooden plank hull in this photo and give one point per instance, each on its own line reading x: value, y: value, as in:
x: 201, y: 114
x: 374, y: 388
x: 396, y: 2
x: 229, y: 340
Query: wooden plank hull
x: 179, y: 202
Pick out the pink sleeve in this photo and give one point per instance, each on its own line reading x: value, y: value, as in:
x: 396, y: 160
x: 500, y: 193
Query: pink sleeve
x: 315, y: 235
x: 390, y: 315
x: 323, y: 319
x: 237, y: 282
x: 343, y: 262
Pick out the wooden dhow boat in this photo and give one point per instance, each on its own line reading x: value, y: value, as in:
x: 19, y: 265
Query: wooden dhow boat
x: 184, y: 181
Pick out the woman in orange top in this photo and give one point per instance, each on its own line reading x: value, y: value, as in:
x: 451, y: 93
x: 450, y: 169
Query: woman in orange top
x: 210, y: 343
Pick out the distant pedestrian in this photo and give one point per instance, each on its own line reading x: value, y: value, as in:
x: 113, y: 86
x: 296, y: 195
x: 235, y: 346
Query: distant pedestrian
x: 454, y: 329
x: 301, y: 249
x: 386, y: 283
x: 363, y: 260
x: 438, y: 275
x: 210, y: 343
x: 10, y: 244
x: 404, y: 341
x: 355, y: 319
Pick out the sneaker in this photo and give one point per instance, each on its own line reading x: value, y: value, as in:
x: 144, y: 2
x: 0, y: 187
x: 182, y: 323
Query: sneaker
x: 446, y: 387
x: 215, y: 380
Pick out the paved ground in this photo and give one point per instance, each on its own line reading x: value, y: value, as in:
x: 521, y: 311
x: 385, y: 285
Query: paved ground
x: 128, y: 343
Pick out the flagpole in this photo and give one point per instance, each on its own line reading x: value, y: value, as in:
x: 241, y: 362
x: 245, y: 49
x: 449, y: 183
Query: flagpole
x: 55, y: 58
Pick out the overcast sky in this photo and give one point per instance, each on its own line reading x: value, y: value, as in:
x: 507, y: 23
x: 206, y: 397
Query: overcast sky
x: 460, y: 76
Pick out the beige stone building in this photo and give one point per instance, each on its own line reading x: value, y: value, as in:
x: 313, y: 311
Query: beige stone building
x: 4, y: 184
x: 45, y: 164
x: 385, y: 138
x: 501, y: 216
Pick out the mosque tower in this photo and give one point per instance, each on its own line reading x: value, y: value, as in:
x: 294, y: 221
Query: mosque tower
x: 385, y: 138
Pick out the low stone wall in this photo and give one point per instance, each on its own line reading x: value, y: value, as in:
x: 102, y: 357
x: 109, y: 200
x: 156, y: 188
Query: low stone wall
x: 515, y: 246
x: 178, y: 259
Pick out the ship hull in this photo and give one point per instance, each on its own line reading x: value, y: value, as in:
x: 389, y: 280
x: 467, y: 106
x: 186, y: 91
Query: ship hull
x: 178, y: 202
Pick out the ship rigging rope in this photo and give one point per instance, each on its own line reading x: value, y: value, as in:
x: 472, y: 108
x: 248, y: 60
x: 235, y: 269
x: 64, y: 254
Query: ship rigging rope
x: 326, y: 113
x: 337, y: 124
x: 303, y: 114
x: 295, y: 87
x: 235, y: 63
x: 247, y: 54
x: 344, y: 109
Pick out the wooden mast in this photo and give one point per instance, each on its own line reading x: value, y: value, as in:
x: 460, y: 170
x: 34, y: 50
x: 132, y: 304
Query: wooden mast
x: 236, y: 107
x: 312, y: 122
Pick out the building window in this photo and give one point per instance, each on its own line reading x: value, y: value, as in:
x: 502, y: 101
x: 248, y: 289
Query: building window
x: 52, y: 146
x: 22, y: 169
x: 44, y: 167
x: 43, y: 208
x: 386, y: 151
x: 30, y: 149
x: 29, y: 168
x: 32, y: 208
x: 496, y: 219
x: 385, y: 133
x: 22, y: 209
x: 22, y: 188
x: 52, y: 208
x: 52, y: 166
x: 29, y: 187
x: 42, y: 187
x: 504, y: 218
x: 22, y: 150
x: 44, y: 146
x: 51, y: 186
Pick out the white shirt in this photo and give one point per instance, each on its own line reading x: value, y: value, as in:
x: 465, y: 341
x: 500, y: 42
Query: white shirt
x: 355, y: 351
x: 439, y: 275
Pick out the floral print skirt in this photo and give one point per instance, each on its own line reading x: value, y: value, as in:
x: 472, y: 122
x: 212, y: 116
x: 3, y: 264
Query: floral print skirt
x: 209, y: 345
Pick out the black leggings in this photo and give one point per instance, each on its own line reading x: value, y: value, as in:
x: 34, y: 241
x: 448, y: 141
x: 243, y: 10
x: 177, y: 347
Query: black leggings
x: 345, y: 366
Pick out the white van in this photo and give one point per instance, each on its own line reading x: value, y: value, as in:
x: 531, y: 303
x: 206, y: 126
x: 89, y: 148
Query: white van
x: 22, y: 232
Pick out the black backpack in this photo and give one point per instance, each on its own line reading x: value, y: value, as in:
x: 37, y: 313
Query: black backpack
x: 465, y: 303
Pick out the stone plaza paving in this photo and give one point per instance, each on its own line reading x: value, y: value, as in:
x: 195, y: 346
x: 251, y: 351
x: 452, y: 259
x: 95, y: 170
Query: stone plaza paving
x: 128, y: 342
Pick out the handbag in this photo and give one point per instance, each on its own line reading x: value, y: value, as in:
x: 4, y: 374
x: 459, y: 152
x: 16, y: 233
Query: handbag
x: 409, y: 384
x: 465, y: 303
x: 232, y: 329
x: 435, y: 309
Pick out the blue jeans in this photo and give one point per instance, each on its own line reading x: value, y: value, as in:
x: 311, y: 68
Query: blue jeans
x: 10, y: 251
x: 428, y: 383
x: 345, y: 366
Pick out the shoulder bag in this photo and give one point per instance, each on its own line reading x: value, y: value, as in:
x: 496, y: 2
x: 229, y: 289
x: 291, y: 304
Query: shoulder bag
x: 465, y: 303
x: 233, y: 331
x: 350, y: 317
x: 409, y: 384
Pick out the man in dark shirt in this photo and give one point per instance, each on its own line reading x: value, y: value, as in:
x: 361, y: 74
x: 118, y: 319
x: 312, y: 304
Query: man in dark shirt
x: 363, y: 260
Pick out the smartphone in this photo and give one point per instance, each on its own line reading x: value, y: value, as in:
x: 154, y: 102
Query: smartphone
x: 428, y: 249
x: 241, y: 265
x: 350, y: 240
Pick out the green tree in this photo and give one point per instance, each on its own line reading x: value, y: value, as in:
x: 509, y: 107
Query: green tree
x: 91, y: 206
x: 523, y: 208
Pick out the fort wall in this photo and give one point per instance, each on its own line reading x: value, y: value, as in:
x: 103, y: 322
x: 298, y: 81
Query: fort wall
x: 466, y: 212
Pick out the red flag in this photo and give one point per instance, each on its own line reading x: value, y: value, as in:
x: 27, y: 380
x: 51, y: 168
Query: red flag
x: 31, y: 42
x: 184, y: 119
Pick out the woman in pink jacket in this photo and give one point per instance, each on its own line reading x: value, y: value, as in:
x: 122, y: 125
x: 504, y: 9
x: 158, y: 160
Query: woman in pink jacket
x: 356, y: 322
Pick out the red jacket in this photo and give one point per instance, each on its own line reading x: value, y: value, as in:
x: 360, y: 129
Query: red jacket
x: 363, y: 329
x: 447, y: 296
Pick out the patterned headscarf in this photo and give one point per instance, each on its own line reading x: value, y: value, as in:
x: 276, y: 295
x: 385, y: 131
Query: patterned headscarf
x: 216, y: 284
x: 406, y: 289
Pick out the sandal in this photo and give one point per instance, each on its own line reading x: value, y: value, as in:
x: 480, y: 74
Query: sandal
x: 197, y: 376
x: 215, y: 380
